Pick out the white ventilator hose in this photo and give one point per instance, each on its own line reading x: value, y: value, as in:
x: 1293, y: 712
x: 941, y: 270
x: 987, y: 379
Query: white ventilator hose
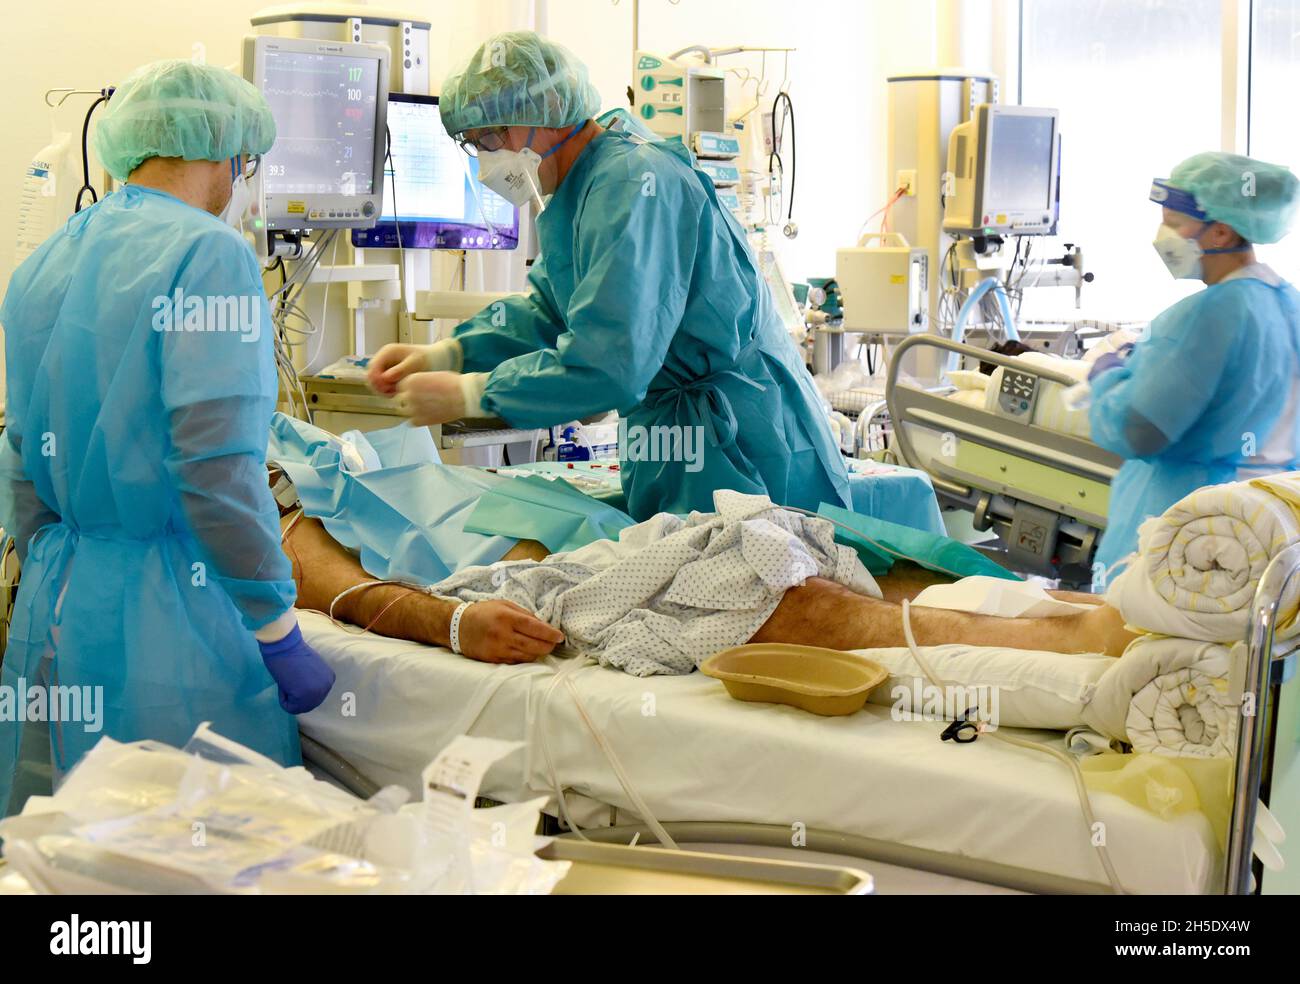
x: 565, y: 676
x: 1080, y: 789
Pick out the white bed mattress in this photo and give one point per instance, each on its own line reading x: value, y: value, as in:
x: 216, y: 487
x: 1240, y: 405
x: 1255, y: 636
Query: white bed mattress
x: 695, y: 754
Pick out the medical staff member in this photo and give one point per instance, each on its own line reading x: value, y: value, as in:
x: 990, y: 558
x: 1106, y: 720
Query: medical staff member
x: 1212, y: 394
x: 646, y: 299
x: 132, y: 470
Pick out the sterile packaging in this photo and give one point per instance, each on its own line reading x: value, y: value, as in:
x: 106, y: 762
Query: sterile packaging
x: 217, y: 818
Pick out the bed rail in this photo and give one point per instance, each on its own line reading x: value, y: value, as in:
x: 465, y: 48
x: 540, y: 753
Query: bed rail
x: 1045, y: 493
x: 1267, y: 667
x: 910, y: 404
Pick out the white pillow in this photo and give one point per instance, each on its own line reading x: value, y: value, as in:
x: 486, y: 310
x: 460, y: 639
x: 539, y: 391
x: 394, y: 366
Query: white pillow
x: 1023, y: 688
x: 968, y: 379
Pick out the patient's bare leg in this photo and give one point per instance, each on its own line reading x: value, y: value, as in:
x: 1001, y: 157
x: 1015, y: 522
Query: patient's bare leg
x: 824, y: 613
x: 907, y: 580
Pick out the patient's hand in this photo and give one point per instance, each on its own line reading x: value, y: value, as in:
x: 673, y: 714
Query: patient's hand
x: 503, y: 632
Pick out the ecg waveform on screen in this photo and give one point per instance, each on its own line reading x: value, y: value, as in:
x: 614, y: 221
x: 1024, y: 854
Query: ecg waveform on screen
x: 271, y: 90
x: 324, y: 107
x: 312, y: 147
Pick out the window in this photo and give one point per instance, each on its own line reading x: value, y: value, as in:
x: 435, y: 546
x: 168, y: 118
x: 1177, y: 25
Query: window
x: 1275, y: 80
x: 1139, y: 87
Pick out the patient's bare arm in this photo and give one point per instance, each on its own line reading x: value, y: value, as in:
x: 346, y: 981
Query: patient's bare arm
x: 824, y: 613
x: 820, y: 612
x: 491, y: 631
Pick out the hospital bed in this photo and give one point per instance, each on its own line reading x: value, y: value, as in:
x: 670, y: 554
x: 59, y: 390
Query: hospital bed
x: 1045, y: 493
x: 714, y: 770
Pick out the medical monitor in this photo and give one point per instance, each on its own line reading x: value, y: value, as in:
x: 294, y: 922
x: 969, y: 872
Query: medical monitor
x: 330, y: 103
x: 1003, y: 167
x: 432, y: 196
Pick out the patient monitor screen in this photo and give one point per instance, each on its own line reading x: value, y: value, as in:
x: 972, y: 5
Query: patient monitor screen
x: 325, y: 110
x: 1020, y: 164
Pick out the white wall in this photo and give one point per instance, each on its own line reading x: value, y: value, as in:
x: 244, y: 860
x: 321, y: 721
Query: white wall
x: 80, y: 43
x: 83, y: 44
x: 845, y: 49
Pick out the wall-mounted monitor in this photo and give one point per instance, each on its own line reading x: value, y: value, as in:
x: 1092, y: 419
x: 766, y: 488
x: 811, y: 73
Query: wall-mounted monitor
x: 1003, y: 165
x: 330, y: 103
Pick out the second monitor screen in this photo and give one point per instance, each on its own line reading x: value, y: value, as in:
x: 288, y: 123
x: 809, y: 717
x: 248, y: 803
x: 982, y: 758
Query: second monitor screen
x: 434, y: 197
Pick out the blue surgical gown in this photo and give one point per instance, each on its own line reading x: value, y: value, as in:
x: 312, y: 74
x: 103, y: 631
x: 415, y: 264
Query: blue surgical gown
x: 1196, y: 400
x: 132, y: 476
x: 647, y: 299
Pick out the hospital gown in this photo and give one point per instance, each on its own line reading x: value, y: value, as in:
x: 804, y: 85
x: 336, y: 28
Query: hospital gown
x: 647, y: 299
x: 1197, y: 399
x: 134, y: 482
x: 671, y: 591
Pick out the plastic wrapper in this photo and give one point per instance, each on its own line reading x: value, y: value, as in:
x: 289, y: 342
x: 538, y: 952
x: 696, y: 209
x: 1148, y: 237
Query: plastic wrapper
x: 215, y: 817
x: 848, y: 375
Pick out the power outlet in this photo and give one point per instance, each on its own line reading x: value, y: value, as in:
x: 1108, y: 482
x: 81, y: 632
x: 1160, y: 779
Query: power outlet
x: 906, y: 181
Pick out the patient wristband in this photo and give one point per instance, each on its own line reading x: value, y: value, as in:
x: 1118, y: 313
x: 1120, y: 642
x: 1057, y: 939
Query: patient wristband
x: 454, y: 632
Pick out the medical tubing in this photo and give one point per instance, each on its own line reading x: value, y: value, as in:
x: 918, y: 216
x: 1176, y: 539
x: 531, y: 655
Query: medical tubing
x: 1080, y: 789
x: 638, y: 803
x: 372, y: 584
x: 784, y: 96
x: 324, y: 302
x: 863, y: 235
x: 551, y: 772
x: 963, y: 314
x: 86, y: 186
x: 287, y: 297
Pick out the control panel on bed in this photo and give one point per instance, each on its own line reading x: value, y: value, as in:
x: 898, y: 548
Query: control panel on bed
x: 1017, y: 394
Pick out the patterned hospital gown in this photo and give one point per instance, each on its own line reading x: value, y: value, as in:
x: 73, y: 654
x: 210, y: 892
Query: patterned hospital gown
x: 671, y: 591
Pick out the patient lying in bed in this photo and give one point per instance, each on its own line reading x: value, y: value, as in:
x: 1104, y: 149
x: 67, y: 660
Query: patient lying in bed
x: 671, y: 591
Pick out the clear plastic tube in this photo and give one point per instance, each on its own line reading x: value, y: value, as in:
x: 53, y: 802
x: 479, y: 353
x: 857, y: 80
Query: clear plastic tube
x: 1085, y: 805
x: 565, y: 676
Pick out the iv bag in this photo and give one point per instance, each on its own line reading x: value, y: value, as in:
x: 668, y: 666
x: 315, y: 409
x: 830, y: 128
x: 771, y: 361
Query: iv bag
x: 47, y: 196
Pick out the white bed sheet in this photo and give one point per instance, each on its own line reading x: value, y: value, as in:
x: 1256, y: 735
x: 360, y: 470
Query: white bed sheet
x: 695, y: 754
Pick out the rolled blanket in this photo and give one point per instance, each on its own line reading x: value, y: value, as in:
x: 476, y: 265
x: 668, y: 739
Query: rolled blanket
x: 1166, y: 696
x: 1170, y: 697
x: 1199, y: 564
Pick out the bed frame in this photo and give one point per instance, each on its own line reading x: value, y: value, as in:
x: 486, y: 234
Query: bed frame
x: 1046, y: 494
x: 1269, y: 664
